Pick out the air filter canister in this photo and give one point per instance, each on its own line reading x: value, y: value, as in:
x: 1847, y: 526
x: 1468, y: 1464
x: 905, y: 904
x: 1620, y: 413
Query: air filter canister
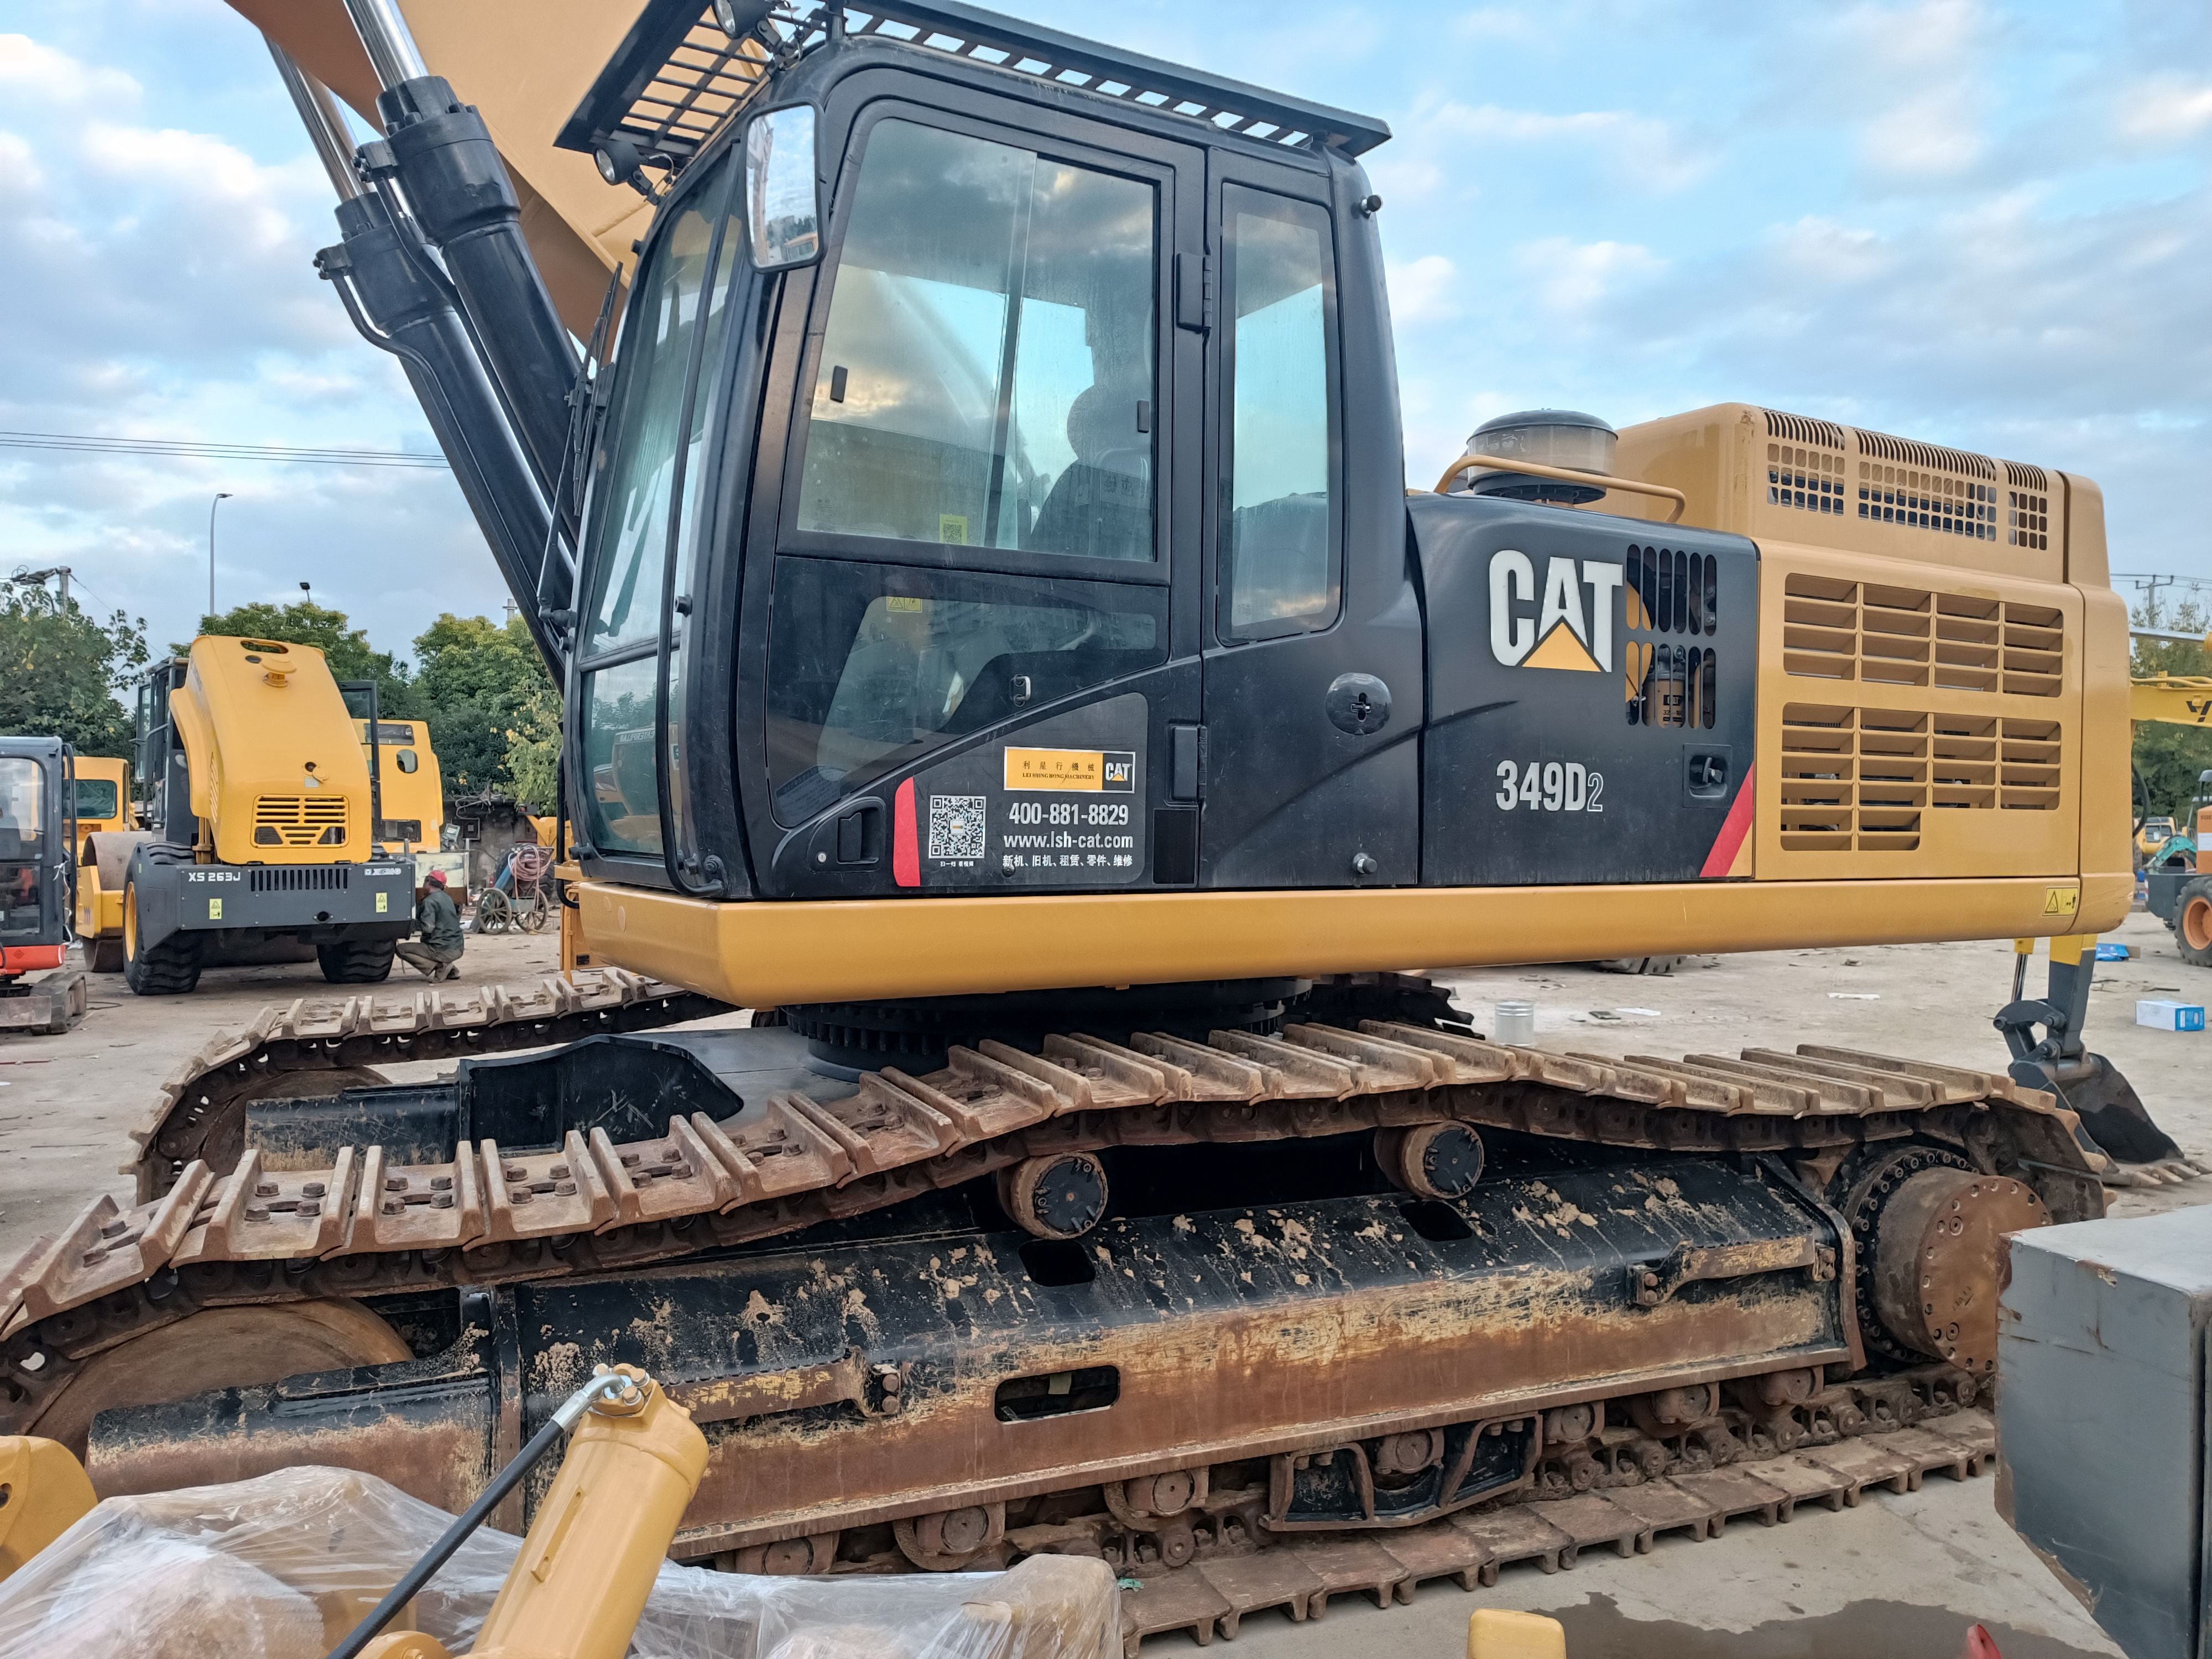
x: 1549, y: 437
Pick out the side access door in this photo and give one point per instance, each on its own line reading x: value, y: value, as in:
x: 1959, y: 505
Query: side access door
x: 1592, y: 698
x: 1314, y: 694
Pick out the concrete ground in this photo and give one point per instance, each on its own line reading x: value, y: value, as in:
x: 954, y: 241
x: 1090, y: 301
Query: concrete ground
x: 1898, y: 1576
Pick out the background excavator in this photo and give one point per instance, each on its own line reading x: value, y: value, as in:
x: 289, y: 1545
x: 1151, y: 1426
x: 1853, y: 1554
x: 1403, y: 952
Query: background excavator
x: 1000, y: 651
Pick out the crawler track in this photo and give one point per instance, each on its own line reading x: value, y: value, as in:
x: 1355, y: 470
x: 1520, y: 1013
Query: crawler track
x: 1300, y: 1575
x: 363, y: 1224
x: 1762, y: 1396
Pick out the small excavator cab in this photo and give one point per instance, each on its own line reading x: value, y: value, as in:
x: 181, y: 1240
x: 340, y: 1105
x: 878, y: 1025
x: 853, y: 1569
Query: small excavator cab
x: 38, y: 835
x: 37, y: 815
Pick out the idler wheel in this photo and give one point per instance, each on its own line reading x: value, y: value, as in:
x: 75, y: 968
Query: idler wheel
x: 1060, y: 1195
x: 1430, y: 1160
x: 1936, y: 1262
x: 237, y: 1348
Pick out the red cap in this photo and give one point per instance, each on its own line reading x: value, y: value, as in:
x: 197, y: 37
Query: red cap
x: 437, y: 876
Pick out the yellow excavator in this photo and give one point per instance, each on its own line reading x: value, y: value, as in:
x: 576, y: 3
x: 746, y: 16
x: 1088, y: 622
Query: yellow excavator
x: 1000, y: 651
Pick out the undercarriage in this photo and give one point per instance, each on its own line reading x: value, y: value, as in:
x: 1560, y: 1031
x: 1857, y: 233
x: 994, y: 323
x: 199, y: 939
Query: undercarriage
x: 1227, y: 1300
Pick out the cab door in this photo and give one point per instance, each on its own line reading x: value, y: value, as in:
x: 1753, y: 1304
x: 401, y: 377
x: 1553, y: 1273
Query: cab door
x: 1314, y: 659
x: 972, y: 567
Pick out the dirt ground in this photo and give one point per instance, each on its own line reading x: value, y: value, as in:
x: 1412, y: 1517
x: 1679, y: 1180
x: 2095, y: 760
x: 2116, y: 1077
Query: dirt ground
x: 1901, y: 1575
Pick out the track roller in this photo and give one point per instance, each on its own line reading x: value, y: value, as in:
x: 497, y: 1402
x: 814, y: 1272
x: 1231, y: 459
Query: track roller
x: 786, y: 1557
x: 949, y: 1540
x: 1060, y: 1195
x: 1430, y: 1160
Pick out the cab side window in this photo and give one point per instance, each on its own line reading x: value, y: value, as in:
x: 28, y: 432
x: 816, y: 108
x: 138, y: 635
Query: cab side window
x: 1280, y: 560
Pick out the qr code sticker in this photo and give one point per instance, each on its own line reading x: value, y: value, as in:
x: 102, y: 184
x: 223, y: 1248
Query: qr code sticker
x: 956, y: 826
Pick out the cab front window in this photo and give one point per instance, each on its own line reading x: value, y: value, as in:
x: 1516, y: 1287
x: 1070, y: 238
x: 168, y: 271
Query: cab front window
x: 987, y: 373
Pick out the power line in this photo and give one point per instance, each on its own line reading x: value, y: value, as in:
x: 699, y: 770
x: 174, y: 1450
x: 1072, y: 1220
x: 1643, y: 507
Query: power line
x: 188, y: 449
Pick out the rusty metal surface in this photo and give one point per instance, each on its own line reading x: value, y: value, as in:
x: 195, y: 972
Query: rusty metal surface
x: 899, y: 1389
x: 1230, y: 1336
x: 1936, y: 1270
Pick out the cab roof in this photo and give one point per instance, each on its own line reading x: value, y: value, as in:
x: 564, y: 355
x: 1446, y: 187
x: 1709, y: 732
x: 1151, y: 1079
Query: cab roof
x: 676, y: 78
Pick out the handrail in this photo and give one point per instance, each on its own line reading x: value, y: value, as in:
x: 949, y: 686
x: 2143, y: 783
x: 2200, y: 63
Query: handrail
x: 1634, y: 486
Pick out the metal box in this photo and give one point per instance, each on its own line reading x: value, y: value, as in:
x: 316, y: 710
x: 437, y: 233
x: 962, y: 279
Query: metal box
x: 2101, y: 1419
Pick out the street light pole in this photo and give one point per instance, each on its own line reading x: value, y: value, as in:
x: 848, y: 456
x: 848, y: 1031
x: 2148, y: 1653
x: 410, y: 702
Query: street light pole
x: 221, y: 496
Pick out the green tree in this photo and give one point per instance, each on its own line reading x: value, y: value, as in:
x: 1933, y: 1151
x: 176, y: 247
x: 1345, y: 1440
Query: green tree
x: 533, y: 750
x: 345, y: 648
x: 479, y: 684
x: 2168, y: 758
x: 60, y: 670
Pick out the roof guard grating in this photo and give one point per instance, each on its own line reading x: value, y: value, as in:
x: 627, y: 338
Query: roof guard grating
x: 676, y: 79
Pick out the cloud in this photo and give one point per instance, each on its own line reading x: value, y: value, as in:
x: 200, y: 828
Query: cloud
x: 1931, y: 131
x: 160, y: 285
x: 28, y: 69
x: 1424, y: 289
x: 1574, y: 280
x: 2166, y: 109
x: 1477, y: 143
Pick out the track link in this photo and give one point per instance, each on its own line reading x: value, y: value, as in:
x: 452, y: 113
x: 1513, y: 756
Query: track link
x: 1213, y: 1595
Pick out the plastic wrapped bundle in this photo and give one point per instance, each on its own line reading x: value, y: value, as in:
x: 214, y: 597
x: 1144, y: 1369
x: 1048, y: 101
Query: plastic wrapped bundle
x: 284, y: 1566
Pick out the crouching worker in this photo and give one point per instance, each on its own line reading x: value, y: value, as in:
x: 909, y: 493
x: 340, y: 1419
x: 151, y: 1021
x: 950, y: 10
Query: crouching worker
x: 437, y: 954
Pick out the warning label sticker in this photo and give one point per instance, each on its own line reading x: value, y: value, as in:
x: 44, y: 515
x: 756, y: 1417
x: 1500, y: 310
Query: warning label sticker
x: 1095, y: 771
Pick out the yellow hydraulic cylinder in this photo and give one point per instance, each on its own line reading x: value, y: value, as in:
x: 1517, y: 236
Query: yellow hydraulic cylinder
x: 43, y: 1493
x: 602, y: 1533
x: 600, y: 1537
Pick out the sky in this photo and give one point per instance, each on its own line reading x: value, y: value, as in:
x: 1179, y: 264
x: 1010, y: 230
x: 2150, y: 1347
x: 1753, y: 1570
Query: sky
x: 1980, y: 224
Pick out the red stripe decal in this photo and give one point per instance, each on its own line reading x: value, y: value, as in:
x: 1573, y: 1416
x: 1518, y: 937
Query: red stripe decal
x: 1734, y: 828
x: 906, y: 850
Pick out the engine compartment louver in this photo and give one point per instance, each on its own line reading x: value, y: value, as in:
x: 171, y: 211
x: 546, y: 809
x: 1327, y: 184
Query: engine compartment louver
x: 1841, y: 630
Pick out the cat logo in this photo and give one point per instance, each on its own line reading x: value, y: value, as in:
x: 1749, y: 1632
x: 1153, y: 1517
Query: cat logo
x: 1564, y: 633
